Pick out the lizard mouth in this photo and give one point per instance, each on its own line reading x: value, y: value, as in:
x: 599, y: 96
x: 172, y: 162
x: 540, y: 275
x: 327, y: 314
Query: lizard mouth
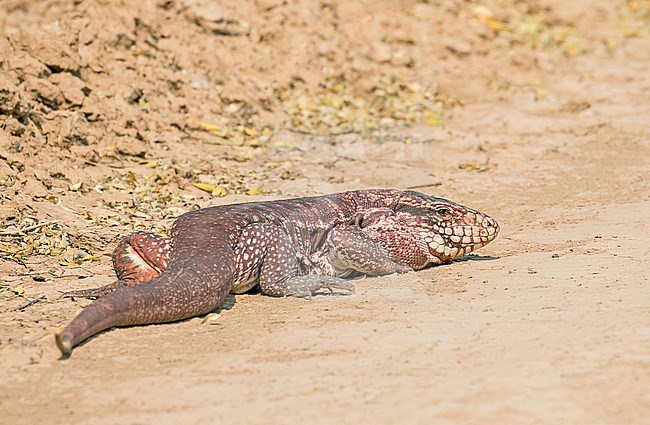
x: 455, y: 240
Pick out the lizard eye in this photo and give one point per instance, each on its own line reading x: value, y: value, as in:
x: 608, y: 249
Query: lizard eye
x: 443, y: 211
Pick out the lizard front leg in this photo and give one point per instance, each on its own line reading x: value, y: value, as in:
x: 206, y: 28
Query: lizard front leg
x: 138, y: 258
x: 349, y: 248
x: 266, y: 249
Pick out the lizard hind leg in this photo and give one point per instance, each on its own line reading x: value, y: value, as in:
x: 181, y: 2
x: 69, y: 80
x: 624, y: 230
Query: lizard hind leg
x: 138, y: 258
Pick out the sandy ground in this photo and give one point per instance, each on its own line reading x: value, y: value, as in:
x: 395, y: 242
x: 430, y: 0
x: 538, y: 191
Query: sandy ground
x: 548, y: 324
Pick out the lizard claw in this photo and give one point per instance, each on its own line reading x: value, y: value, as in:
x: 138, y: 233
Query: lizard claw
x: 307, y: 286
x: 336, y: 283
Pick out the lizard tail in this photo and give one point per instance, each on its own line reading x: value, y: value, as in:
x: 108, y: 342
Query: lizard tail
x: 178, y: 293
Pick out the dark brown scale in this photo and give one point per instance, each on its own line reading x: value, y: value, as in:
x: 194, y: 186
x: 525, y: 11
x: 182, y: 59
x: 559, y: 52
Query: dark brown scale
x: 292, y: 247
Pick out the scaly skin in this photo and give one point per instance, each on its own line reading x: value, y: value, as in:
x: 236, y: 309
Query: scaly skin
x: 292, y: 247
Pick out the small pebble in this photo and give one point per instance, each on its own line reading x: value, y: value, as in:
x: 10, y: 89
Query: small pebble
x: 211, y: 318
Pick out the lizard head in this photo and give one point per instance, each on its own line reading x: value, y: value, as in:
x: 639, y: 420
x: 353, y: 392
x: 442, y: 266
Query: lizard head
x: 419, y: 229
x: 448, y: 230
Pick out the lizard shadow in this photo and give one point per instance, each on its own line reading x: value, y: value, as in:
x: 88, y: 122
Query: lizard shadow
x: 474, y: 257
x: 230, y: 300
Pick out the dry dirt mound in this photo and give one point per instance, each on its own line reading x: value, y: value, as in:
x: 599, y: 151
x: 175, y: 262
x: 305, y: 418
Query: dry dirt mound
x: 107, y: 98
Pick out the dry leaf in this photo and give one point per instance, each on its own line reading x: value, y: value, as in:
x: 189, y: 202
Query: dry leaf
x: 214, y: 190
x: 76, y: 258
x: 205, y: 186
x: 210, y: 127
x: 254, y: 192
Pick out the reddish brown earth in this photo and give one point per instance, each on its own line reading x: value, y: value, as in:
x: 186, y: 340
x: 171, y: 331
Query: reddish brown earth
x: 119, y: 115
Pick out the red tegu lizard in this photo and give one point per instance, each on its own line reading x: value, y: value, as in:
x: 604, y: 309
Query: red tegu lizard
x: 291, y: 247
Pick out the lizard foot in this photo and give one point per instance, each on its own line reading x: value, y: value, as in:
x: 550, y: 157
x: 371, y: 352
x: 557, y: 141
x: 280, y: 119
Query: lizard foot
x: 307, y: 286
x: 332, y: 283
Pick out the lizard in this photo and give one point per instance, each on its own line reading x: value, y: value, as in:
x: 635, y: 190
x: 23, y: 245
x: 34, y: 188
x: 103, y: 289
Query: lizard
x: 294, y: 247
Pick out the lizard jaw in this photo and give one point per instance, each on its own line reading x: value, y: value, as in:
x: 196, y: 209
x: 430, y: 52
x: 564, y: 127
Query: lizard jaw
x: 452, y: 241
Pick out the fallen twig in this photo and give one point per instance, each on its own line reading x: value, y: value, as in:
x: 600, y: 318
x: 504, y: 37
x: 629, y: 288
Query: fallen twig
x: 420, y: 186
x: 313, y: 133
x: 29, y: 304
x: 56, y: 276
